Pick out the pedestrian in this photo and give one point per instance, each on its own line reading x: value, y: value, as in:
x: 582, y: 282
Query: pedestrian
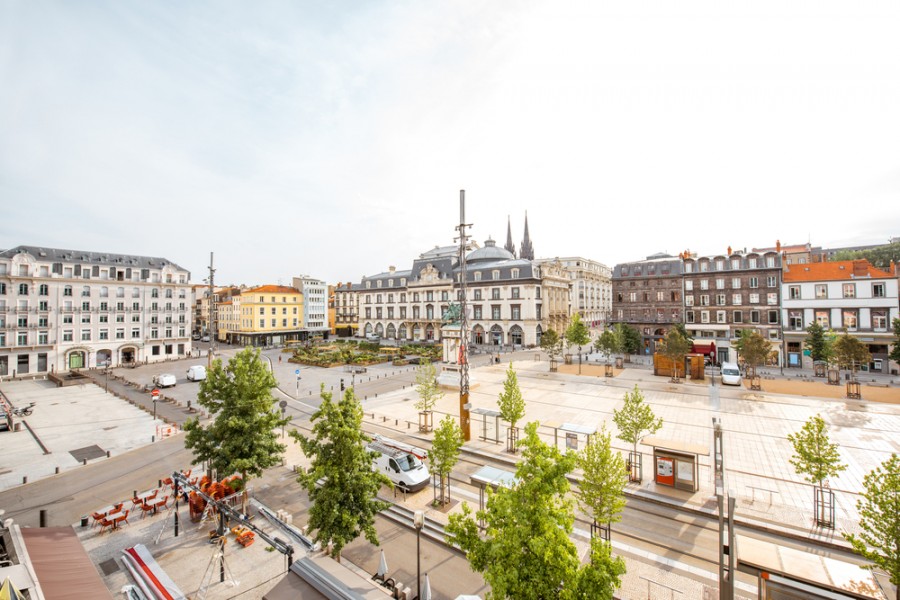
x: 279, y: 358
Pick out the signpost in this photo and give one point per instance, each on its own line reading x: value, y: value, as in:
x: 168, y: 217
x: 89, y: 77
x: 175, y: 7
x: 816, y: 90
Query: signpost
x: 155, y: 395
x: 283, y: 405
x: 297, y: 373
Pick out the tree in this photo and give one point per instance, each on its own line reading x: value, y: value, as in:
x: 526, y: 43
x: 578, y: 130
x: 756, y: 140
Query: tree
x: 850, y: 353
x: 526, y: 552
x: 512, y: 406
x: 578, y: 334
x: 444, y: 453
x: 880, y: 256
x: 675, y: 347
x: 242, y: 437
x: 815, y: 457
x: 629, y: 338
x: 817, y: 342
x: 429, y: 392
x: 879, y: 510
x: 601, y: 492
x: 753, y: 347
x: 683, y: 331
x: 551, y: 343
x: 633, y: 420
x: 608, y: 343
x: 340, y: 482
x: 895, y: 351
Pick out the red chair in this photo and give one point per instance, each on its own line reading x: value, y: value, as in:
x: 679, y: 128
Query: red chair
x: 97, y: 518
x: 146, y: 507
x: 105, y: 523
x: 136, y: 502
x: 161, y: 503
x: 167, y: 482
x: 123, y: 518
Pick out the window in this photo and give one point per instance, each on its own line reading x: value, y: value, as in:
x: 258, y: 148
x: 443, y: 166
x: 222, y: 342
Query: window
x: 402, y: 312
x: 879, y: 319
x: 495, y: 293
x: 135, y: 333
x: 735, y: 263
x: 720, y: 264
x: 495, y: 274
x: 514, y: 273
x: 120, y: 334
x: 754, y: 282
x: 737, y: 317
x: 495, y: 312
x: 849, y: 318
x: 514, y: 293
x: 751, y: 262
x: 23, y: 289
x: 688, y: 267
x: 67, y: 291
x: 849, y: 290
x: 477, y: 275
x: 476, y: 312
x: 772, y: 298
x: 274, y: 322
x: 104, y: 334
x: 85, y: 335
x: 754, y: 298
x: 704, y: 266
x: 878, y: 290
x: 823, y: 319
x: 720, y: 283
x: 477, y: 295
x: 821, y: 291
x: 736, y: 283
x: 704, y: 316
x: 44, y: 290
x: 720, y: 299
x: 720, y: 316
x: 737, y: 299
x: 688, y: 300
x: 795, y: 320
x: 429, y: 296
x: 660, y: 296
x: 516, y: 312
x: 262, y: 322
x: 67, y: 319
x: 688, y: 285
x: 704, y: 284
x: 689, y: 316
x: 773, y: 317
x: 704, y: 300
x: 754, y: 316
x: 67, y: 335
x: 794, y: 292
x: 771, y: 281
x: 632, y: 296
x: 22, y: 338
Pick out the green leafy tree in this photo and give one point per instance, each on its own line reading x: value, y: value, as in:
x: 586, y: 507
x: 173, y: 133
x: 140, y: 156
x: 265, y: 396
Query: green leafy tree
x: 879, y: 510
x: 340, y: 482
x: 675, y: 347
x: 601, y: 491
x: 880, y: 256
x: 895, y: 351
x: 815, y: 457
x: 241, y: 437
x: 753, y: 347
x: 818, y: 343
x: 629, y: 338
x: 635, y: 419
x: 578, y: 334
x: 850, y: 353
x: 444, y: 453
x: 551, y: 343
x: 512, y: 406
x: 608, y: 343
x: 683, y: 331
x: 525, y: 551
x: 429, y: 391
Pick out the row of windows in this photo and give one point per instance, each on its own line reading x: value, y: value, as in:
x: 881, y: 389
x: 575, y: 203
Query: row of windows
x: 514, y: 293
x: 96, y: 272
x: 752, y: 282
x: 476, y: 276
x: 849, y: 319
x: 86, y: 334
x: 646, y: 296
x: 720, y: 264
x: 848, y: 290
x: 248, y: 310
x: 736, y: 299
x: 44, y: 290
x: 737, y: 316
x: 515, y: 312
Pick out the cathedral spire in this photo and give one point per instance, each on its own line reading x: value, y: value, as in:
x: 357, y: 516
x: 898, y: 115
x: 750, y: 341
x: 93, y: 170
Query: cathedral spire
x: 510, y: 247
x: 525, y: 250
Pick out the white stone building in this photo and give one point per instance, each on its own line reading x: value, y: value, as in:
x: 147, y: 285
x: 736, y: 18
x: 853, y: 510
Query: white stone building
x: 70, y: 309
x: 846, y: 296
x: 315, y: 305
x: 591, y: 288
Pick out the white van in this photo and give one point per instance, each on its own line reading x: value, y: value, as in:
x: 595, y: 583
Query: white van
x: 196, y: 373
x: 400, y: 463
x: 731, y: 374
x: 164, y: 380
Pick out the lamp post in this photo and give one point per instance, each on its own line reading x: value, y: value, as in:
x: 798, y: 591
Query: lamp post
x: 419, y: 522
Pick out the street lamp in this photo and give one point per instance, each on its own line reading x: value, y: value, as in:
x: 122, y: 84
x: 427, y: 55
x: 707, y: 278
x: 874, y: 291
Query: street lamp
x: 419, y: 522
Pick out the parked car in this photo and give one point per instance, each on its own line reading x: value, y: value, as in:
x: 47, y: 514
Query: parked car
x: 205, y: 338
x: 196, y: 373
x: 195, y: 337
x: 164, y: 380
x: 400, y: 462
x: 731, y: 374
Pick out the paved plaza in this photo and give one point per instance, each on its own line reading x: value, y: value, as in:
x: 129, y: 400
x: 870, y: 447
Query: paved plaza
x: 769, y: 494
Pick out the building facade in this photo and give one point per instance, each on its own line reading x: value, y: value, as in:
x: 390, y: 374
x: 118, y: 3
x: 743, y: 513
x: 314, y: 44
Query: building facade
x: 70, y: 309
x: 647, y: 295
x: 268, y: 315
x: 315, y: 306
x: 726, y: 293
x: 346, y: 309
x: 848, y: 296
x: 511, y: 301
x: 591, y: 289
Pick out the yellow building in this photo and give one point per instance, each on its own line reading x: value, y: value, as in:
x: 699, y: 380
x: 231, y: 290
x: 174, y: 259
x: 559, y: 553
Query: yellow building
x: 269, y: 315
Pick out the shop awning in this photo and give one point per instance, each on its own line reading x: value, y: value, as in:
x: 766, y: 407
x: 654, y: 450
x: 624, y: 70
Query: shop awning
x: 708, y: 349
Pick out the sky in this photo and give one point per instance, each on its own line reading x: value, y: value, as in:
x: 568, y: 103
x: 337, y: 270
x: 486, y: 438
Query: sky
x: 332, y: 138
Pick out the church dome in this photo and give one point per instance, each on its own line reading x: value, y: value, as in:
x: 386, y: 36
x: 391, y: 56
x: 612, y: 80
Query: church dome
x: 490, y: 252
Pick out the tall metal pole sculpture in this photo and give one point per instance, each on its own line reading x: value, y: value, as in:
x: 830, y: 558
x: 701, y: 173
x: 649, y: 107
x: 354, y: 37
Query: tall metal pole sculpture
x: 463, y: 322
x: 211, y: 326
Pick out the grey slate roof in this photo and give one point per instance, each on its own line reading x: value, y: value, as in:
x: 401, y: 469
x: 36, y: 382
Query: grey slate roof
x: 95, y: 258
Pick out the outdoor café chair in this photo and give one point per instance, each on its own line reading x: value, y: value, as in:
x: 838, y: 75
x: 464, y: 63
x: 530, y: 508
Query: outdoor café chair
x: 104, y: 523
x: 97, y: 517
x: 161, y: 503
x: 146, y: 507
x: 123, y: 518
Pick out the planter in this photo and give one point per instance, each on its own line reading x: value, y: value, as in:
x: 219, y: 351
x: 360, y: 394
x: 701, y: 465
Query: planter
x: 425, y: 421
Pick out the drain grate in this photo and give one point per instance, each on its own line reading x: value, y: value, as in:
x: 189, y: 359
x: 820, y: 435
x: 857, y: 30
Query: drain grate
x: 88, y: 452
x: 109, y: 566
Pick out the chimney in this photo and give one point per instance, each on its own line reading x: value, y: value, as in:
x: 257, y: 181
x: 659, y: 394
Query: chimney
x: 391, y: 269
x: 860, y: 268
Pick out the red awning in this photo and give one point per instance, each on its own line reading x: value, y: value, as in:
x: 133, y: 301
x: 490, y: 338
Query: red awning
x: 708, y: 349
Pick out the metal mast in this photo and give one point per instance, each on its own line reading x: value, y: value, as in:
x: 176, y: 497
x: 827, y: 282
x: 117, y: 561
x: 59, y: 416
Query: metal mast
x: 463, y: 322
x: 212, y: 320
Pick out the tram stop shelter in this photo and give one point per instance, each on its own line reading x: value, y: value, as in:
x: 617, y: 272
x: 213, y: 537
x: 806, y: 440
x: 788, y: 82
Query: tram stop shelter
x: 676, y: 463
x: 572, y: 431
x: 787, y: 573
x: 490, y: 476
x: 488, y: 433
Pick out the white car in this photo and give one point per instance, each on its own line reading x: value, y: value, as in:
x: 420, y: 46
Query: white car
x: 205, y: 338
x: 164, y: 380
x: 731, y: 374
x: 196, y: 373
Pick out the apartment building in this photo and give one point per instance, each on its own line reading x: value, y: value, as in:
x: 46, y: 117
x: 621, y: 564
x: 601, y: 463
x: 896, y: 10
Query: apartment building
x: 267, y: 315
x: 647, y: 295
x: 590, y: 282
x: 848, y: 296
x: 346, y: 309
x: 71, y: 309
x: 315, y: 306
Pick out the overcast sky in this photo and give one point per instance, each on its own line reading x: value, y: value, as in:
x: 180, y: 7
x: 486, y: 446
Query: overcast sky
x: 332, y: 138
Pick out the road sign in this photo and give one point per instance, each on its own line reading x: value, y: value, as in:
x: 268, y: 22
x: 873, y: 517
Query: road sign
x: 296, y: 371
x: 283, y: 404
x: 155, y: 393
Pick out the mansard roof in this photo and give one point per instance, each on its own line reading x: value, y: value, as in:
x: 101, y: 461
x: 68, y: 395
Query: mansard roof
x: 94, y: 258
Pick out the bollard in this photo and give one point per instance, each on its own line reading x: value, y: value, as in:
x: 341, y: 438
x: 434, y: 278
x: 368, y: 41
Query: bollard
x: 43, y: 517
x: 152, y: 438
x: 57, y: 470
x: 108, y: 454
x: 25, y: 479
x: 134, y: 494
x: 157, y: 485
x: 84, y: 462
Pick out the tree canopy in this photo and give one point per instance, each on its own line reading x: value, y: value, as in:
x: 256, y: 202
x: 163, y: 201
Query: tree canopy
x: 427, y: 387
x: 895, y: 351
x: 340, y: 482
x: 526, y: 552
x: 578, y: 334
x: 752, y: 347
x: 629, y: 338
x: 880, y: 256
x: 601, y: 491
x: 683, y: 331
x: 851, y: 353
x: 510, y: 401
x: 818, y: 343
x: 879, y: 510
x: 815, y: 457
x: 608, y: 343
x: 634, y: 418
x: 444, y: 451
x: 675, y: 347
x: 551, y: 343
x: 241, y: 437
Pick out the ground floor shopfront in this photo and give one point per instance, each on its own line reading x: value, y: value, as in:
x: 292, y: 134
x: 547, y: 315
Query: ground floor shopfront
x: 19, y: 362
x: 879, y: 348
x: 516, y: 333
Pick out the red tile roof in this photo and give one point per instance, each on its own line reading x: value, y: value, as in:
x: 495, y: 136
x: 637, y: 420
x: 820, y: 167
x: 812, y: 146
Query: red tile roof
x: 834, y: 271
x: 273, y: 289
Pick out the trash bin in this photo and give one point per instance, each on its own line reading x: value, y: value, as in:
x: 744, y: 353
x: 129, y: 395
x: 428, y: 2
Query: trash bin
x: 17, y: 426
x: 84, y: 520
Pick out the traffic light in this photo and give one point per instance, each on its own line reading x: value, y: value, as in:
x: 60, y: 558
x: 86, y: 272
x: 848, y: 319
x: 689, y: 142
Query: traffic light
x: 342, y: 384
